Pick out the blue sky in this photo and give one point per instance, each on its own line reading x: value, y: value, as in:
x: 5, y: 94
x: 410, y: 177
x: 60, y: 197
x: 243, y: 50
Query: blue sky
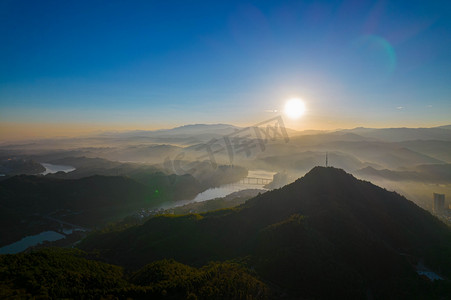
x: 153, y: 64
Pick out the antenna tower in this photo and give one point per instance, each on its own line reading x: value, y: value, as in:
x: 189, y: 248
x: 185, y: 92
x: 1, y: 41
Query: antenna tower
x: 326, y: 160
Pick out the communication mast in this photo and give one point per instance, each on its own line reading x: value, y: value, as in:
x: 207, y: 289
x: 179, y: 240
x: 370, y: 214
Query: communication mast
x: 326, y: 160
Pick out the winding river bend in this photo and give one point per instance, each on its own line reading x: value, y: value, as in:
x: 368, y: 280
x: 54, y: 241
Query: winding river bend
x: 226, y: 189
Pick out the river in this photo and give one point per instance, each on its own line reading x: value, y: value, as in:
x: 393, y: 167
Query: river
x: 226, y: 189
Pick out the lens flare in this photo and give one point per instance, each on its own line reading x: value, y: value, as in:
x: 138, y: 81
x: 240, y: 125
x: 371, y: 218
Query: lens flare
x: 374, y: 54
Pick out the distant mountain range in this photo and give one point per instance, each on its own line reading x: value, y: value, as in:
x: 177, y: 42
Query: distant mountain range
x: 207, y: 131
x: 379, y: 148
x: 195, y: 133
x: 434, y: 173
x: 385, y: 134
x: 404, y: 134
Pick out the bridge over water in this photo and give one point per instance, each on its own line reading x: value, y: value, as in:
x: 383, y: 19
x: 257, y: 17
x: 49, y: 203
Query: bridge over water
x: 256, y: 180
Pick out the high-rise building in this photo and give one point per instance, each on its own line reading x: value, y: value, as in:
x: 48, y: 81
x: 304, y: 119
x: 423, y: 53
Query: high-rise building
x: 439, y: 203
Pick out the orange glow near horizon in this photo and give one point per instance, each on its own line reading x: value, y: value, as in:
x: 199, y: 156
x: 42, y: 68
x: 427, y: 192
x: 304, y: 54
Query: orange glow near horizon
x: 11, y: 131
x: 15, y: 131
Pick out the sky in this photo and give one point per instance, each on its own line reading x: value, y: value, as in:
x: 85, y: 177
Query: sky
x: 73, y: 67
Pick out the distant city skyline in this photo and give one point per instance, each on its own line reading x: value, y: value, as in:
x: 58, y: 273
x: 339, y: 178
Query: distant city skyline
x: 74, y: 67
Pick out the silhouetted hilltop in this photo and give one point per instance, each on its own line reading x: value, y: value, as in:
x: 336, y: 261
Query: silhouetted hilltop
x: 326, y: 235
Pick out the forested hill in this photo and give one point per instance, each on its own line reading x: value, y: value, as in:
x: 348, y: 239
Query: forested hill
x: 327, y: 234
x: 26, y: 201
x: 68, y: 274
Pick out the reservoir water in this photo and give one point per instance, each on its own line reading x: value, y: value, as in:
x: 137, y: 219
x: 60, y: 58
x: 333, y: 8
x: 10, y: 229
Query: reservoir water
x: 31, y: 240
x: 50, y: 168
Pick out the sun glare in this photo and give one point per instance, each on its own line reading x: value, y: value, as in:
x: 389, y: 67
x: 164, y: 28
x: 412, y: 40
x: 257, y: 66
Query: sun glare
x: 294, y: 108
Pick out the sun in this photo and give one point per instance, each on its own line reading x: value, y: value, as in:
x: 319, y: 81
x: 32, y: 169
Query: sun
x: 294, y: 108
